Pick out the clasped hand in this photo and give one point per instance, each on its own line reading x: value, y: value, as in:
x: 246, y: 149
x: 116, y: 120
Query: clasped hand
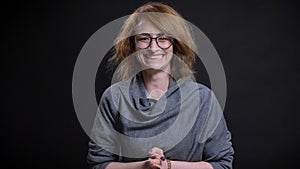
x: 156, y: 159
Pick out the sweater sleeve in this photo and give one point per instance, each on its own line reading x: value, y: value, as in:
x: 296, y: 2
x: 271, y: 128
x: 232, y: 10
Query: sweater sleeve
x: 218, y: 150
x: 103, y: 147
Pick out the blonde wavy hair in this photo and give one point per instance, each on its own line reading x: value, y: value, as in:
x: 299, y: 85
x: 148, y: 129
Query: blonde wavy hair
x: 170, y: 22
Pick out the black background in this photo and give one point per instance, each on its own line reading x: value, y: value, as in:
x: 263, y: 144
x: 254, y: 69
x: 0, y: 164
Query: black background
x: 257, y: 41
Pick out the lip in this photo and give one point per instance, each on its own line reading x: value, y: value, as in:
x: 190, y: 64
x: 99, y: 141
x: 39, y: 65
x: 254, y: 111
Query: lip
x: 154, y: 56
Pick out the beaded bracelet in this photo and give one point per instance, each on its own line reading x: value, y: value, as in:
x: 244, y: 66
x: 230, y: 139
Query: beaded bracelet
x: 169, y: 164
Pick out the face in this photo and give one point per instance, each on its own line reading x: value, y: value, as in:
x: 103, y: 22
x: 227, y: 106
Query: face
x: 153, y: 57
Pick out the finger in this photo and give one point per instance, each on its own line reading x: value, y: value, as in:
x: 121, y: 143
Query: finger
x: 156, y: 166
x: 157, y: 156
x: 153, y: 156
x: 155, y: 150
x: 154, y: 161
x: 147, y: 162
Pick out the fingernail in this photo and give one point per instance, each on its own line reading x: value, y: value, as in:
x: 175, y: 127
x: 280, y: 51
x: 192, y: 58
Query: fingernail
x: 163, y: 158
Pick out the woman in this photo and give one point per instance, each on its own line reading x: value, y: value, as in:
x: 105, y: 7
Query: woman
x: 157, y: 116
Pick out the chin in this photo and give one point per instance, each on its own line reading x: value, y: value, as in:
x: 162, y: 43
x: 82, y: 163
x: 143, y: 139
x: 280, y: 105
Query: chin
x: 153, y: 67
x: 157, y: 67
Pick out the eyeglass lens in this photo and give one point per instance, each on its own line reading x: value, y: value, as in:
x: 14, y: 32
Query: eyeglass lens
x: 143, y: 41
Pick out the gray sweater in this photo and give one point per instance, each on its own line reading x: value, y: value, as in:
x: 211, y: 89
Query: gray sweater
x: 187, y: 123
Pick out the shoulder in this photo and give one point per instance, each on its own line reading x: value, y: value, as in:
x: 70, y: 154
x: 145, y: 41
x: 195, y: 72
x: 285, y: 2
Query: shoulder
x: 203, y: 88
x: 204, y: 91
x: 114, y: 90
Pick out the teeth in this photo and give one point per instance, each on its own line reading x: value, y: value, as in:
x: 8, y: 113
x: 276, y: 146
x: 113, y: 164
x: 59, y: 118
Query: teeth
x: 154, y: 57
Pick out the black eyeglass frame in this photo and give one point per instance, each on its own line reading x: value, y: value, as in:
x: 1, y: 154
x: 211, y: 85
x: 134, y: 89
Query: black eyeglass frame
x: 151, y: 38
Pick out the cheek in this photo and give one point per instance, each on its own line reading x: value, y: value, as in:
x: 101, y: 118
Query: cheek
x: 139, y: 56
x: 170, y: 50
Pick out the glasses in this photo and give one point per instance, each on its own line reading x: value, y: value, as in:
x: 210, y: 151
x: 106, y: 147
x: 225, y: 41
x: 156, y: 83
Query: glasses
x: 143, y: 41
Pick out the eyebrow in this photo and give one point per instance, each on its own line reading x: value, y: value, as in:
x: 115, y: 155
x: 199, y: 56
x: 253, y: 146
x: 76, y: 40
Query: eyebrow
x: 151, y: 34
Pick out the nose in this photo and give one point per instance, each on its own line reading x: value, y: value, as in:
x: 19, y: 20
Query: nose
x: 153, y: 45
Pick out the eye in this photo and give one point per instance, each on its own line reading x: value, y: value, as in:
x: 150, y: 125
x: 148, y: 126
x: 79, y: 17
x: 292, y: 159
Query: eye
x: 143, y: 38
x: 164, y: 38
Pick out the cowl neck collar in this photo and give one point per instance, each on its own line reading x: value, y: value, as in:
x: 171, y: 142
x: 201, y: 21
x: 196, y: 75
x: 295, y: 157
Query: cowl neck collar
x: 138, y: 92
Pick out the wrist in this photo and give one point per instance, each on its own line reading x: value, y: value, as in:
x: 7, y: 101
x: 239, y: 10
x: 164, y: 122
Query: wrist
x: 169, y: 165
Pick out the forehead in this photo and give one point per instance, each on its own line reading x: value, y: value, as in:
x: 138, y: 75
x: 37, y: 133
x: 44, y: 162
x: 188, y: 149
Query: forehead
x: 145, y: 26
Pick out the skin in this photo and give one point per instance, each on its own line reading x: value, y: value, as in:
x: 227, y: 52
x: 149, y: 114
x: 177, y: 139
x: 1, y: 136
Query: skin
x: 155, y: 61
x: 157, y: 161
x: 153, y: 58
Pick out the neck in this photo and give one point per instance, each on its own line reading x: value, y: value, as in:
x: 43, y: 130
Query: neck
x: 156, y: 82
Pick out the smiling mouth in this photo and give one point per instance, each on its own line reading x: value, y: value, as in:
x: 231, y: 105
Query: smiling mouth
x: 154, y: 57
